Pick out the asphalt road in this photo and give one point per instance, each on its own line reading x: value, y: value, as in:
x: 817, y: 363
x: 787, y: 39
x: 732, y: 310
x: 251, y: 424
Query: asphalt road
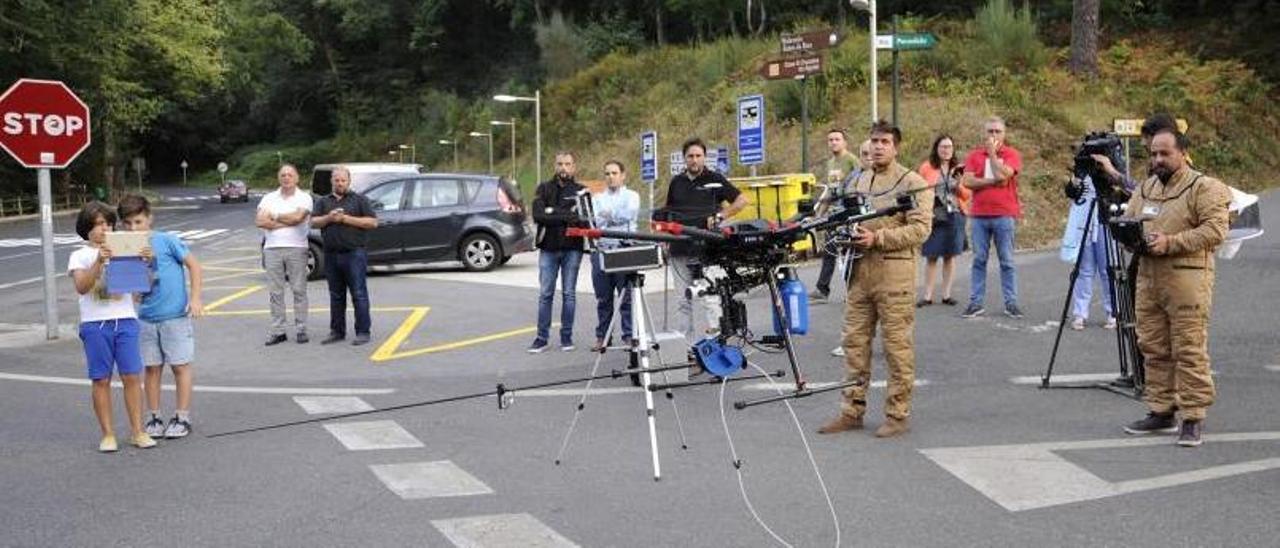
x: 989, y: 461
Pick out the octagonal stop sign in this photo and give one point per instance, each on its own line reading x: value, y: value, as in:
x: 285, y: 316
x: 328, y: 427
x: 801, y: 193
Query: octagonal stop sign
x: 43, y: 124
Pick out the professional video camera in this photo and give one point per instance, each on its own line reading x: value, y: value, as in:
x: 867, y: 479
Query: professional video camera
x: 1085, y: 167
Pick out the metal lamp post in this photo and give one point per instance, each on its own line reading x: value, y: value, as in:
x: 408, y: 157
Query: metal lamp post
x: 413, y: 152
x: 870, y: 7
x: 537, y: 124
x: 488, y: 137
x: 511, y: 123
x: 447, y: 142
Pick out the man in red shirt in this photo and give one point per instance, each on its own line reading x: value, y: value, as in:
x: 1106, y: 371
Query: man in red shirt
x: 991, y: 171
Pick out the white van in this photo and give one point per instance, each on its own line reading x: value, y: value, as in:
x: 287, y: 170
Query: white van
x: 362, y: 174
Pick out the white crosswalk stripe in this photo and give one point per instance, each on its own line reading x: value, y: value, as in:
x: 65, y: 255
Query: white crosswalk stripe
x: 424, y: 480
x: 503, y: 530
x: 70, y: 239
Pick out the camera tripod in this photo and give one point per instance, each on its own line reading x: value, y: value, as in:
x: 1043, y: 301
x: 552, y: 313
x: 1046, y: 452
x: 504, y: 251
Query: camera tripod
x: 1120, y: 287
x: 643, y: 346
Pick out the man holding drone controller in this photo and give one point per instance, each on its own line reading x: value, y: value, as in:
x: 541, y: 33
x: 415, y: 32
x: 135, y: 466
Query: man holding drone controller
x: 883, y: 288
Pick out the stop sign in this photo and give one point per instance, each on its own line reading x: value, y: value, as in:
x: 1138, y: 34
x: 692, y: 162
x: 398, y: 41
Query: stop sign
x: 43, y: 124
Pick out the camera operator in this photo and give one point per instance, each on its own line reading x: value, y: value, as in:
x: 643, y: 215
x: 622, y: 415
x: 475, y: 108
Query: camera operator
x: 695, y: 198
x: 883, y: 288
x: 1150, y: 126
x: 1184, y: 218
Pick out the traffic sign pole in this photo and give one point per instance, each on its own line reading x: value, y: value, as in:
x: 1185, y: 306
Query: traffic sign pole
x: 895, y: 71
x: 44, y: 185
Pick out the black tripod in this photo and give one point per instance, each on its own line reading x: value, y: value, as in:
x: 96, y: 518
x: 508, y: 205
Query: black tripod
x: 1120, y: 288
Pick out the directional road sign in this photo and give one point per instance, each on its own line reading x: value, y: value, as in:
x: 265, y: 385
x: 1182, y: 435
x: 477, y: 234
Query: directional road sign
x: 809, y: 41
x: 751, y: 130
x: 797, y: 67
x: 904, y: 41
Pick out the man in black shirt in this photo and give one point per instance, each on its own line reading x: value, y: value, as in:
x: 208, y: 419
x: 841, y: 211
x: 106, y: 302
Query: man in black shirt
x: 345, y: 219
x: 560, y: 256
x: 695, y: 198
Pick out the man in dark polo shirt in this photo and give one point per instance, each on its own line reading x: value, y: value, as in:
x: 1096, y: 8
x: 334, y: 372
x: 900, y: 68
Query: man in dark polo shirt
x: 345, y: 219
x: 698, y: 197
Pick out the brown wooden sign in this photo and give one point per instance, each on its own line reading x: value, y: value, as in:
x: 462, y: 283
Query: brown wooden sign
x: 809, y: 41
x: 796, y: 67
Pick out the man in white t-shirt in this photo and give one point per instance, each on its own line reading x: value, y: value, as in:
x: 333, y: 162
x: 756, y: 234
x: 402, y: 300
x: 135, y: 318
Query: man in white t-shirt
x: 284, y: 215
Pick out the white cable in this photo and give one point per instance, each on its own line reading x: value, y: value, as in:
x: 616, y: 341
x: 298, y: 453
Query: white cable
x: 737, y: 464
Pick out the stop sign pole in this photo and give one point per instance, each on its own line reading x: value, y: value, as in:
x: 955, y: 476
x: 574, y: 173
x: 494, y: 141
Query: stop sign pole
x: 43, y: 125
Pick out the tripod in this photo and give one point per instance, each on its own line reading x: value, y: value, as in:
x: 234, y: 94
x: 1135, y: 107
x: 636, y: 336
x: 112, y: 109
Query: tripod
x: 1120, y: 288
x: 643, y: 346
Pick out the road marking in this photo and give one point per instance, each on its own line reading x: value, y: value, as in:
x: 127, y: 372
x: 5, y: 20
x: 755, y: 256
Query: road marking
x: 266, y: 311
x: 1080, y: 377
x: 233, y: 269
x: 22, y: 282
x: 229, y: 276
x: 1073, y: 378
x: 216, y: 389
x: 175, y: 208
x: 1275, y: 368
x: 232, y: 297
x: 501, y: 530
x: 1030, y: 476
x: 372, y: 435
x: 577, y: 392
x: 390, y: 348
x: 257, y: 257
x: 319, y: 405
x: 425, y: 480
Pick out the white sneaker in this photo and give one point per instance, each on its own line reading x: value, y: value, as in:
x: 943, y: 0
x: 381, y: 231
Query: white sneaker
x: 177, y: 428
x: 1111, y: 323
x: 1077, y: 324
x: 154, y: 427
x: 838, y: 351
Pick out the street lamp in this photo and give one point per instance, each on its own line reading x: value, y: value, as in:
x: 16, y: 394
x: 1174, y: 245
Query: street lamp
x: 537, y: 123
x: 512, y: 123
x: 489, y: 137
x: 447, y: 142
x: 869, y: 6
x: 413, y: 152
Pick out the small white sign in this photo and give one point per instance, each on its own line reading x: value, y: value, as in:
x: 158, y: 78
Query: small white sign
x: 676, y: 166
x: 884, y: 41
x: 222, y: 167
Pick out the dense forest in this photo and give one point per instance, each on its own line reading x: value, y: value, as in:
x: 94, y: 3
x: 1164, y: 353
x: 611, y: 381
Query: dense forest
x: 202, y: 79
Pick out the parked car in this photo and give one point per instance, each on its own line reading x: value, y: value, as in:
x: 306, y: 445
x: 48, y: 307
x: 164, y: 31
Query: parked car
x: 234, y: 190
x: 362, y: 174
x: 479, y: 220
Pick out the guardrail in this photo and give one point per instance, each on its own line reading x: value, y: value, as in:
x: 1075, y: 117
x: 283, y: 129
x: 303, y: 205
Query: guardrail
x: 26, y: 204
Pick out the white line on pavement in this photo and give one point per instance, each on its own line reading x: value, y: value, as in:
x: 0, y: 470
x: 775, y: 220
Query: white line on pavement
x: 318, y: 405
x: 373, y: 435
x: 1080, y: 377
x: 786, y: 385
x: 1275, y: 368
x: 424, y: 480
x: 221, y: 389
x: 21, y: 282
x: 500, y: 530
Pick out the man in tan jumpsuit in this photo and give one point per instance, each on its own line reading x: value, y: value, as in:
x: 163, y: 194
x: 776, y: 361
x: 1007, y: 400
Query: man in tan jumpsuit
x: 883, y: 289
x: 1186, y: 219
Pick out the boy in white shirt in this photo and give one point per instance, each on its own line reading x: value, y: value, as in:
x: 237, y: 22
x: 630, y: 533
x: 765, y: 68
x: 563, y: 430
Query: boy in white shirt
x: 108, y: 328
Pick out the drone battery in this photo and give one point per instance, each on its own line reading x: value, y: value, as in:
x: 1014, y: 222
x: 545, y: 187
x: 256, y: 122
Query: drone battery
x: 631, y: 259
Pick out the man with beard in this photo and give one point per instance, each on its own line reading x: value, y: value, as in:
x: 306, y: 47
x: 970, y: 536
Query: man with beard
x: 560, y: 255
x: 1185, y: 218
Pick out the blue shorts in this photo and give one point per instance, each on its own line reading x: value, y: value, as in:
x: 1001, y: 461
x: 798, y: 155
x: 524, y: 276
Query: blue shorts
x: 111, y: 343
x: 168, y: 342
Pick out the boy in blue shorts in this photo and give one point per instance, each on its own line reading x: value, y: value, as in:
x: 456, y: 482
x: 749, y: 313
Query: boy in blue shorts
x: 108, y: 327
x: 166, y: 337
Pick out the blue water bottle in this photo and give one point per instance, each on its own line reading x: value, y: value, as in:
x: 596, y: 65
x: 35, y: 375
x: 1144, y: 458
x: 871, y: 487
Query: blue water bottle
x: 795, y: 301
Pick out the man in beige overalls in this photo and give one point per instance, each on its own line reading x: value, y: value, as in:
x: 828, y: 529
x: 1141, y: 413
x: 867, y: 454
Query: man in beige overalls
x: 1185, y: 216
x: 883, y: 288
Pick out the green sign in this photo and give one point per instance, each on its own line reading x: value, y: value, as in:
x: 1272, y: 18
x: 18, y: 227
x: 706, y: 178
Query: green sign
x: 914, y: 40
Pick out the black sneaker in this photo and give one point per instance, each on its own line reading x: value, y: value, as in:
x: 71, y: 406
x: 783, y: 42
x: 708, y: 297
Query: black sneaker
x: 1155, y: 423
x: 1189, y: 434
x: 1012, y: 311
x: 973, y: 311
x: 177, y: 428
x: 302, y: 338
x: 276, y: 339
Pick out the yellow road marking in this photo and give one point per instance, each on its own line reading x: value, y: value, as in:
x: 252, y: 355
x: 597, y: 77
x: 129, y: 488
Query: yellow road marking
x: 228, y: 276
x: 232, y: 297
x: 233, y: 269
x: 265, y: 311
x: 231, y: 259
